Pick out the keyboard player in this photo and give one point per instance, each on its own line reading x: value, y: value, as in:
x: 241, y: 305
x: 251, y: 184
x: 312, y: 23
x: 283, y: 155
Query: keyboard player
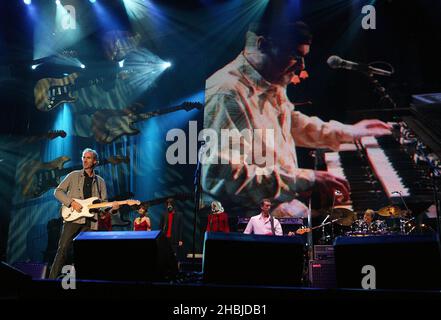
x: 249, y: 95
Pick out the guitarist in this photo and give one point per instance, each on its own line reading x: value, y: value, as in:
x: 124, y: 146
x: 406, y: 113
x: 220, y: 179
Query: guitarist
x: 80, y: 184
x: 264, y: 223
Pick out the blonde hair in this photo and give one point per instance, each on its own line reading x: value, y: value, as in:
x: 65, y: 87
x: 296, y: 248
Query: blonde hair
x: 217, y: 206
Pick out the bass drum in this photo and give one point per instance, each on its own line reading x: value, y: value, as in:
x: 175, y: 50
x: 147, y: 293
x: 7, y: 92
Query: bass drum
x: 378, y: 227
x: 360, y: 228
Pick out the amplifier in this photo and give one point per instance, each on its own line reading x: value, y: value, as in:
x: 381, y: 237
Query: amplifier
x: 322, y: 274
x: 323, y: 252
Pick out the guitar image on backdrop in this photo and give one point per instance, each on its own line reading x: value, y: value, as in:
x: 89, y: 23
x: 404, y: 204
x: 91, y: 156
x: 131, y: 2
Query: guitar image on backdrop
x: 49, y: 93
x: 108, y: 125
x: 37, y: 177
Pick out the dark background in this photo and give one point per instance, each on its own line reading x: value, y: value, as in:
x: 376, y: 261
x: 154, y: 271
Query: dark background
x: 407, y: 36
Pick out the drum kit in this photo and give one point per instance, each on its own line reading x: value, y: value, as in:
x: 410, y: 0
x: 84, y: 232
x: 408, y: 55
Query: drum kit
x: 391, y: 220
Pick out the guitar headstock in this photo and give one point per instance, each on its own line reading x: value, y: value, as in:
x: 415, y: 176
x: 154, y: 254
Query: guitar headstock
x: 192, y: 105
x: 176, y: 197
x: 56, y: 133
x: 302, y: 231
x: 133, y: 202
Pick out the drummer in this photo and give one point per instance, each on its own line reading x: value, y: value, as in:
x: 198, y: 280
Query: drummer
x: 368, y: 217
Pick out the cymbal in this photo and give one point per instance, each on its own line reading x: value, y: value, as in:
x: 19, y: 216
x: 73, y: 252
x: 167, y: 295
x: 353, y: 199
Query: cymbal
x: 345, y: 216
x: 391, y: 211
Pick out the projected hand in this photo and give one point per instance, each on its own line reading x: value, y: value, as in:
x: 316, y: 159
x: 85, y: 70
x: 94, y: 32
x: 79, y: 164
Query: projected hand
x: 327, y: 185
x: 370, y: 127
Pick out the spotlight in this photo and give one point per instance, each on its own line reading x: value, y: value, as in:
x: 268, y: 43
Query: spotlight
x: 92, y: 1
x: 57, y: 2
x: 121, y: 63
x: 82, y: 66
x: 27, y: 2
x: 34, y: 66
x: 166, y: 65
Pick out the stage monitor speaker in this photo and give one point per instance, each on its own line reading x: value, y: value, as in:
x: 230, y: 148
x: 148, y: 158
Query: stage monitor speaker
x: 399, y: 262
x: 235, y: 258
x: 124, y: 255
x: 12, y: 280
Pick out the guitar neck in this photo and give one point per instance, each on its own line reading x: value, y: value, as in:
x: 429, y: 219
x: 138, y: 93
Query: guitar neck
x: 106, y: 204
x: 84, y: 83
x: 62, y: 172
x: 87, y: 82
x: 147, y: 115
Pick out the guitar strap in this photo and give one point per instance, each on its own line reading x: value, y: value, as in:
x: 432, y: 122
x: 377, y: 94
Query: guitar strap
x: 97, y: 185
x: 272, y: 225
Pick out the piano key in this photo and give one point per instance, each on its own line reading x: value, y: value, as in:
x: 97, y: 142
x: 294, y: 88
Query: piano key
x: 382, y: 166
x: 365, y: 190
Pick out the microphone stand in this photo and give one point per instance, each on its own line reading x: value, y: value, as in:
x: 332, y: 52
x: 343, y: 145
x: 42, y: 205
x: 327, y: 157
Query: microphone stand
x: 379, y: 89
x: 197, y: 200
x: 316, y: 154
x: 434, y: 173
x: 323, y: 228
x: 332, y: 211
x: 407, y: 210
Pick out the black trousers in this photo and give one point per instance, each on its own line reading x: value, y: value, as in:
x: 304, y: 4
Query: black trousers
x: 69, y: 232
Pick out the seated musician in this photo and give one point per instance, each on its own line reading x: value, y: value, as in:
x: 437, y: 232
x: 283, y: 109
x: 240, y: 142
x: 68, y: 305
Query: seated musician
x: 368, y: 216
x: 249, y: 96
x: 368, y: 224
x: 142, y: 223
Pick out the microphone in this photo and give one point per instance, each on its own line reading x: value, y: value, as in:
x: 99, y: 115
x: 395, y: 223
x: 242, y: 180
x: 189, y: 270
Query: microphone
x: 402, y: 200
x: 335, y: 62
x: 406, y: 221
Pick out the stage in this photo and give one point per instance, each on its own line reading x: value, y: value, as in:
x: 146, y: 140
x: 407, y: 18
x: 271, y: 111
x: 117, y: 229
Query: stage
x: 294, y: 146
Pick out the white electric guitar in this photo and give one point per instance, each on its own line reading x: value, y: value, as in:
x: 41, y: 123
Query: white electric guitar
x: 69, y: 214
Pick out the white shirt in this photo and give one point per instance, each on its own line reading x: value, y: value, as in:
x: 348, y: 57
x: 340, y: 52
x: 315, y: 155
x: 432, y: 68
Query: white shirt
x: 261, y: 225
